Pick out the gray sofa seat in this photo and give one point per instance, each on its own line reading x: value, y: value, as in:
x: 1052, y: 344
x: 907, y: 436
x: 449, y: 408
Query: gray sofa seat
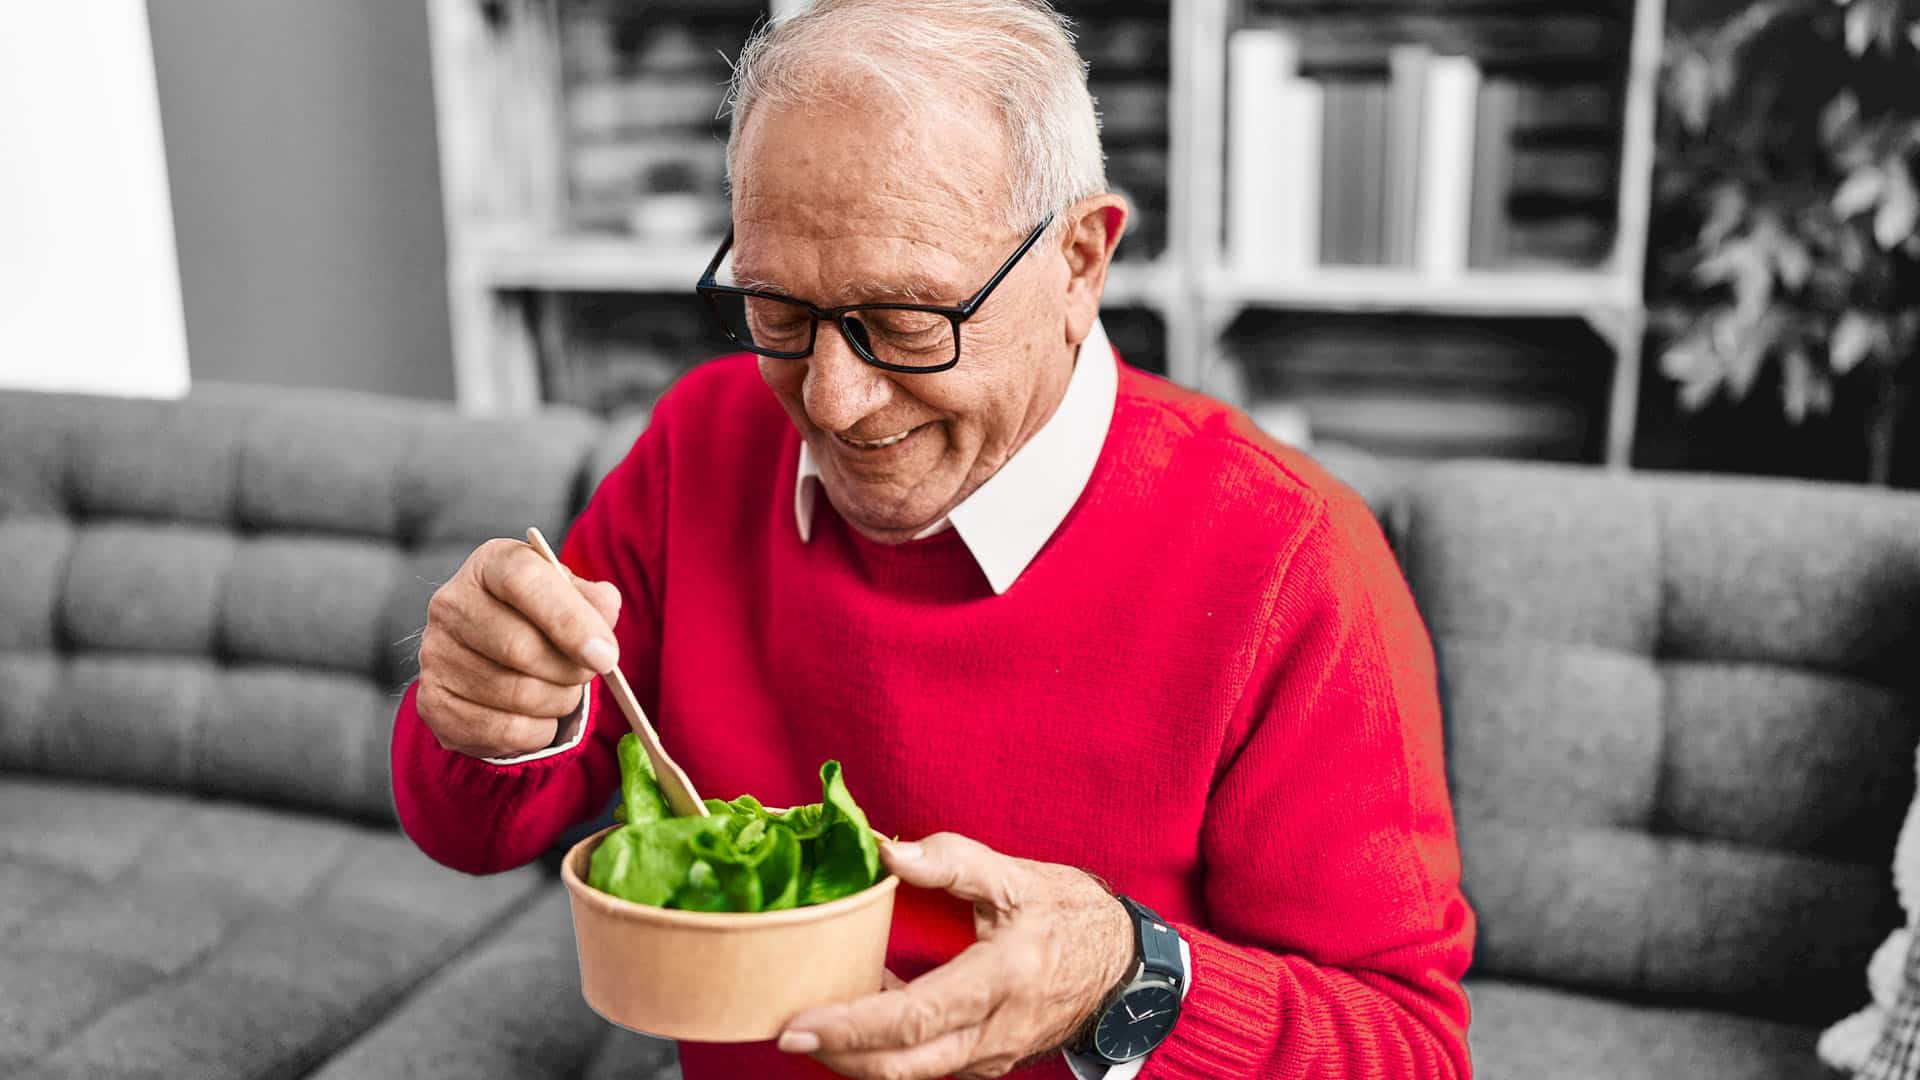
x: 208, y: 609
x: 162, y: 935
x: 509, y: 1010
x: 1523, y: 1032
x: 1681, y: 716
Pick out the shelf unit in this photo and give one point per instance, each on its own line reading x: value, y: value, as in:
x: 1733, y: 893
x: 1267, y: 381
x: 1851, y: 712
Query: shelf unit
x: 500, y: 83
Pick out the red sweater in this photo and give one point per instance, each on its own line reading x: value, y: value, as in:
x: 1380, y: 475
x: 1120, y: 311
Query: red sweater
x: 1210, y: 688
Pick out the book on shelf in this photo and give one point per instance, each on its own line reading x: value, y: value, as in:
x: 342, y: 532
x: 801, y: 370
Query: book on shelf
x: 1353, y: 173
x: 1446, y: 190
x: 1490, y: 242
x: 1397, y: 170
x: 1432, y: 168
x: 1274, y: 168
x: 1408, y: 67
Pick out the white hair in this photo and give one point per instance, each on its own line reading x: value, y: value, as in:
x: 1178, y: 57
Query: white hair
x: 1017, y: 56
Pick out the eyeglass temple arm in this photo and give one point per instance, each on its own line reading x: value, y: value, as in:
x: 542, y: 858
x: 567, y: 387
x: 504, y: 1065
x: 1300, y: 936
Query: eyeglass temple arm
x: 1007, y: 267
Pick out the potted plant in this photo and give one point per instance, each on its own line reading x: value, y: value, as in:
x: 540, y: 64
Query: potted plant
x: 1788, y: 200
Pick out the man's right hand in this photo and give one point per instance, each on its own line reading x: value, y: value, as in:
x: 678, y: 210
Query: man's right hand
x: 510, y: 643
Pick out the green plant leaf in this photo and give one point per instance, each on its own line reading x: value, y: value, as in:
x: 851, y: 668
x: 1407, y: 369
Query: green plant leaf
x: 806, y: 821
x: 1839, y: 116
x: 729, y: 873
x: 1899, y: 210
x: 741, y: 858
x: 735, y: 872
x: 779, y: 871
x: 647, y: 864
x: 641, y: 799
x: 1859, y: 192
x: 845, y: 855
x: 1729, y: 210
x: 1853, y: 339
x: 1690, y: 86
x: 702, y: 891
x: 1692, y: 364
x: 1859, y: 28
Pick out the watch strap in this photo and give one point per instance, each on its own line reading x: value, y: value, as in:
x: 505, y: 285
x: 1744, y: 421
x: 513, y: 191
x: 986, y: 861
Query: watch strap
x: 1157, y: 944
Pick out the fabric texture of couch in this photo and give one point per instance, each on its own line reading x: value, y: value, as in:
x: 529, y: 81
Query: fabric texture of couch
x: 1679, y: 735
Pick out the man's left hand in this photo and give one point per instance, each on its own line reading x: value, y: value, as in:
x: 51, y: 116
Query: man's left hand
x: 1052, y: 944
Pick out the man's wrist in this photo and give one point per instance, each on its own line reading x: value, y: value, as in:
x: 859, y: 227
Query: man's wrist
x: 1121, y: 950
x: 1123, y: 953
x: 1122, y: 962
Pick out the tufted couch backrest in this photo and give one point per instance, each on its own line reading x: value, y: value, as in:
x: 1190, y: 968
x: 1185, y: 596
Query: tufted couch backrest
x: 222, y: 594
x: 1681, y: 723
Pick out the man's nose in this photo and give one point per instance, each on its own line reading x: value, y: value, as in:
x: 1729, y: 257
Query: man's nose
x: 840, y: 388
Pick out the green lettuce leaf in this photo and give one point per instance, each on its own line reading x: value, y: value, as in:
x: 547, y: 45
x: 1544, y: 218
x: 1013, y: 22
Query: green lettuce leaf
x: 702, y: 892
x: 844, y: 856
x: 741, y: 858
x: 646, y: 864
x: 640, y: 798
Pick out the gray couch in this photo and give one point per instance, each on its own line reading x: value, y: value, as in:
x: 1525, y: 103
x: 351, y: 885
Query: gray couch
x: 1681, y: 725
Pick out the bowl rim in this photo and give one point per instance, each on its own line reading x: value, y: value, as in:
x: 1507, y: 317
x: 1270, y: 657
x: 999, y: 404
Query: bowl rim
x: 609, y: 904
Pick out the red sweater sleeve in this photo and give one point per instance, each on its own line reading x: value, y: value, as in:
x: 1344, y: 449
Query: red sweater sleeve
x: 1338, y: 933
x: 480, y: 817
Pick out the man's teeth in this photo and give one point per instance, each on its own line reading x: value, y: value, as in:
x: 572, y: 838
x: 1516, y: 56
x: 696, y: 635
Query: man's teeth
x: 874, y: 444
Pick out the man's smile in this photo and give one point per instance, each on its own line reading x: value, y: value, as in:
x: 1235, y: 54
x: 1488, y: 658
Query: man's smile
x: 880, y: 443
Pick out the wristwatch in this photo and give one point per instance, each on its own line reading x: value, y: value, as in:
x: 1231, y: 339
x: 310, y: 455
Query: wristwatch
x: 1139, y: 1014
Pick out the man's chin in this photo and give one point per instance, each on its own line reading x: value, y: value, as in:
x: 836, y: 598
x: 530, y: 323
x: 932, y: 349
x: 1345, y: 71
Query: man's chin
x: 885, y: 522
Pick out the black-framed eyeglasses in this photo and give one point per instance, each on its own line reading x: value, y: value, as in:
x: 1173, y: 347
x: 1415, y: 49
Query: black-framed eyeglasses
x: 909, y: 338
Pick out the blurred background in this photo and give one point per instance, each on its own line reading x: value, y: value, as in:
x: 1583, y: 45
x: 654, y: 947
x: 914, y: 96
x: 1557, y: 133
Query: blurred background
x: 1679, y: 234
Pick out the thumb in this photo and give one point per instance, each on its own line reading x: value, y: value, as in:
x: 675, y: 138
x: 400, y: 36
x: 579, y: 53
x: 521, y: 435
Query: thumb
x: 956, y: 864
x: 603, y: 595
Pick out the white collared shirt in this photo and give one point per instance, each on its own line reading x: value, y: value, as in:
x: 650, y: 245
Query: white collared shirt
x: 1007, y: 520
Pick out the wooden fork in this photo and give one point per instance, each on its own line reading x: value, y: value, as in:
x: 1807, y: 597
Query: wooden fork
x: 681, y: 798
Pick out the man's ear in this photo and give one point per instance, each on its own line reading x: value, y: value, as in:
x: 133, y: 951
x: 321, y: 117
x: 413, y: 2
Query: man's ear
x: 1091, y: 228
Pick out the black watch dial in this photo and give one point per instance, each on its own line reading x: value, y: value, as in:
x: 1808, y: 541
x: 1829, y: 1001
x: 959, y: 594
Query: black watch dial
x: 1136, y: 1023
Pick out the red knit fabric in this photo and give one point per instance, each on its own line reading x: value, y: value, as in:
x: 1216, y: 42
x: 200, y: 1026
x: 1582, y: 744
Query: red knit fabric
x: 1211, y: 688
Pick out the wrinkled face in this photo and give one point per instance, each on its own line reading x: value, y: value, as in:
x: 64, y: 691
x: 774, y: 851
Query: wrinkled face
x: 843, y: 206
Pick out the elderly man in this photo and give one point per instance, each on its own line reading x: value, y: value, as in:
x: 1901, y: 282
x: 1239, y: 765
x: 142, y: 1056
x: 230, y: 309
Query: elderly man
x: 1075, y: 628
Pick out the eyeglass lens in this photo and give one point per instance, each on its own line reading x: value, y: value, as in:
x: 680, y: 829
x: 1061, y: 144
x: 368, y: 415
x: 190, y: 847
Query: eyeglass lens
x: 898, y: 336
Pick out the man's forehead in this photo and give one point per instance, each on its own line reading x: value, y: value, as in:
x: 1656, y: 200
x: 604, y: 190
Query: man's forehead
x: 813, y: 166
x: 839, y: 205
x: 855, y: 257
x: 828, y: 279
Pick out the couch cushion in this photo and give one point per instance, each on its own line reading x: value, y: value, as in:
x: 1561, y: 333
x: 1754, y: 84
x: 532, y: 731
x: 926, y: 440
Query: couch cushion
x: 213, y: 594
x: 511, y: 1009
x: 1679, y: 717
x: 1524, y: 1032
x: 159, y: 935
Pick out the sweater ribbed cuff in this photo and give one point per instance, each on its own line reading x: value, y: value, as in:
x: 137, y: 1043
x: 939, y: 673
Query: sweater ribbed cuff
x: 463, y: 811
x: 1231, y: 1019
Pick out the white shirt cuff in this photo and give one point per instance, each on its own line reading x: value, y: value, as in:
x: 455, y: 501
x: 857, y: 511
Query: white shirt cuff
x: 1086, y: 1068
x: 566, y: 736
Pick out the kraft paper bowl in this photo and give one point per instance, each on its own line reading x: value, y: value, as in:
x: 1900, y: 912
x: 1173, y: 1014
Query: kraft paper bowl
x: 721, y: 977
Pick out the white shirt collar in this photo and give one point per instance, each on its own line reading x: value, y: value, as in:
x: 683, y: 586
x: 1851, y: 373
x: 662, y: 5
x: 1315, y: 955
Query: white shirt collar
x: 1008, y: 519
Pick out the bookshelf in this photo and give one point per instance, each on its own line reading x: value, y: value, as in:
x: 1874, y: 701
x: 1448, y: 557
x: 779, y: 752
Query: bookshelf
x: 549, y: 110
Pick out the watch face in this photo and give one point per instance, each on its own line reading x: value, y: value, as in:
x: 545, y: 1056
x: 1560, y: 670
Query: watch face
x: 1136, y: 1023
